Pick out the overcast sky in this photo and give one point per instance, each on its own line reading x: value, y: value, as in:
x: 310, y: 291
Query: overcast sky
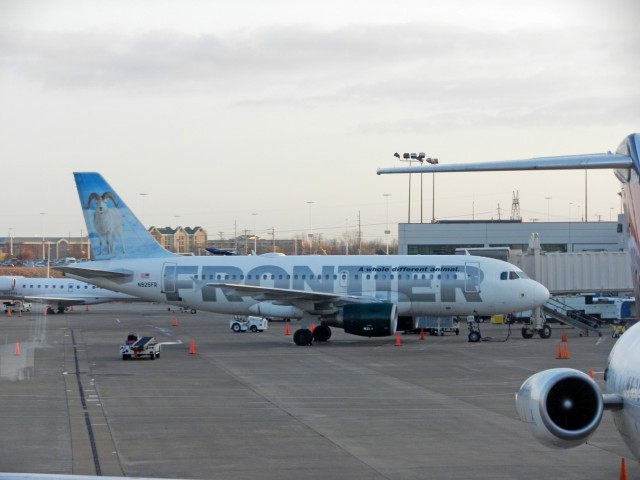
x: 237, y: 114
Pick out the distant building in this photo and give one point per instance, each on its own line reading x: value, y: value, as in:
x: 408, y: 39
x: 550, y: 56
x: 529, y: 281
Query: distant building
x: 33, y: 248
x: 178, y: 240
x: 181, y: 239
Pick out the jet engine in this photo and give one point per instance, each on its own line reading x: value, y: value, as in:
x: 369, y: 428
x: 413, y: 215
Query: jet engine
x: 562, y: 407
x: 7, y: 284
x: 366, y: 319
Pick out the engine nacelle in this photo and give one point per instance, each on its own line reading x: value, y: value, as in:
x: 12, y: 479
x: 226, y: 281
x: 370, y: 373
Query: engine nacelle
x: 8, y: 283
x: 562, y: 407
x: 370, y: 319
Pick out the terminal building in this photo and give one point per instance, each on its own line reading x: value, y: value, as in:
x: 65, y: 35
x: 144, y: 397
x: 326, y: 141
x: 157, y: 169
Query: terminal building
x: 569, y: 257
x: 444, y: 237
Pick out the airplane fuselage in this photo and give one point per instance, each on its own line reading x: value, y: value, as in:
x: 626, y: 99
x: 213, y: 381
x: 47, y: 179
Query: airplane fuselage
x: 58, y: 291
x: 623, y: 379
x: 418, y: 285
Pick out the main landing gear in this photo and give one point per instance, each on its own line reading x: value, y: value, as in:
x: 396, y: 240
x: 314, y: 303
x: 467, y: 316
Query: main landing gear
x: 544, y: 332
x: 537, y: 324
x: 304, y: 336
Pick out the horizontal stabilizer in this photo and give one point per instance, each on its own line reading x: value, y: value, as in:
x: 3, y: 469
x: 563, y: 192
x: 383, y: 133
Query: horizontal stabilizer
x: 94, y: 273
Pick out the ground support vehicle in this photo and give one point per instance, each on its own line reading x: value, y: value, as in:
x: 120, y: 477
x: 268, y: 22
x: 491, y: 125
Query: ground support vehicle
x: 251, y: 324
x: 136, y: 347
x: 17, y: 306
x: 438, y: 325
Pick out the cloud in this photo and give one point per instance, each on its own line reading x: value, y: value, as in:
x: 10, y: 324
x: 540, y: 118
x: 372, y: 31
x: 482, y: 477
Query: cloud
x: 452, y: 75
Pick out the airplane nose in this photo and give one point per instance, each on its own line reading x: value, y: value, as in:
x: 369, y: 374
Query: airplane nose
x: 541, y: 294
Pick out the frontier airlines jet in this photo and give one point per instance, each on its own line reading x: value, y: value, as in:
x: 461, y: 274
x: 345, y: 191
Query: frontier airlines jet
x: 370, y: 296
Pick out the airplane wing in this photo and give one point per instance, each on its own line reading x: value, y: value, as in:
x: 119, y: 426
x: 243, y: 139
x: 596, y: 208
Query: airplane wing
x: 288, y: 295
x: 94, y: 273
x: 567, y: 162
x: 64, y: 301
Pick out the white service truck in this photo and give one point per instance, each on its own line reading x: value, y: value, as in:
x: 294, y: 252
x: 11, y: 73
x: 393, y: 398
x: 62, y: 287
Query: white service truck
x: 251, y: 324
x: 17, y: 306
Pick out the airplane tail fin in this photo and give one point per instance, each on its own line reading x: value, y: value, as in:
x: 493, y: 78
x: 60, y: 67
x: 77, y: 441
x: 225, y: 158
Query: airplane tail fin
x: 114, y: 231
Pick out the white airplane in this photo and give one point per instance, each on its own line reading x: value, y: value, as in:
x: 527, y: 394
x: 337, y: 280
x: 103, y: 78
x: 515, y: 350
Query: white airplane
x: 561, y: 406
x: 369, y: 296
x: 58, y: 292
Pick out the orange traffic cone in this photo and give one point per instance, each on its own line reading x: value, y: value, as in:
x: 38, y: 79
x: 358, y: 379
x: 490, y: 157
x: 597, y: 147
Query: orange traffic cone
x: 192, y: 348
x: 565, y: 352
x: 17, y: 350
x: 286, y: 329
x: 623, y: 470
x: 312, y: 328
x: 559, y: 354
x: 398, y: 343
x: 422, y: 334
x: 564, y: 336
x: 9, y: 312
x: 86, y: 308
x: 591, y: 372
x: 175, y: 321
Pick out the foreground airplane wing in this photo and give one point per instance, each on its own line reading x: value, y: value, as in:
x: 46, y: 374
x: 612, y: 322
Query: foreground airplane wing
x: 568, y: 162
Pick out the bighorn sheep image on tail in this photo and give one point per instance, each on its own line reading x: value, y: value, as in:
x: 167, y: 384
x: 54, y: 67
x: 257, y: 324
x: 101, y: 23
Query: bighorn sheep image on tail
x: 107, y: 222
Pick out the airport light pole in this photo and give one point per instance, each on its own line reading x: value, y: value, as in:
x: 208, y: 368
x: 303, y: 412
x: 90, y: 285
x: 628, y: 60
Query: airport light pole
x: 420, y: 157
x: 310, y: 234
x: 255, y: 235
x: 10, y: 242
x: 406, y: 158
x: 433, y: 161
x: 43, y: 215
x: 387, y: 232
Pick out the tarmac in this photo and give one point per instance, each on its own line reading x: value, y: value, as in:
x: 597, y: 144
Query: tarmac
x: 255, y: 406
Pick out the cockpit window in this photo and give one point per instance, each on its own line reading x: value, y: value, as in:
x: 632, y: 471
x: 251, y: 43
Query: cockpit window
x: 513, y: 275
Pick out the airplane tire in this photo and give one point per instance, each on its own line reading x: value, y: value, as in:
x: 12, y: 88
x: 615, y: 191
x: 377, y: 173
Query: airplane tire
x: 474, y: 337
x: 545, y: 332
x: 303, y: 337
x: 321, y: 333
x: 526, y: 333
